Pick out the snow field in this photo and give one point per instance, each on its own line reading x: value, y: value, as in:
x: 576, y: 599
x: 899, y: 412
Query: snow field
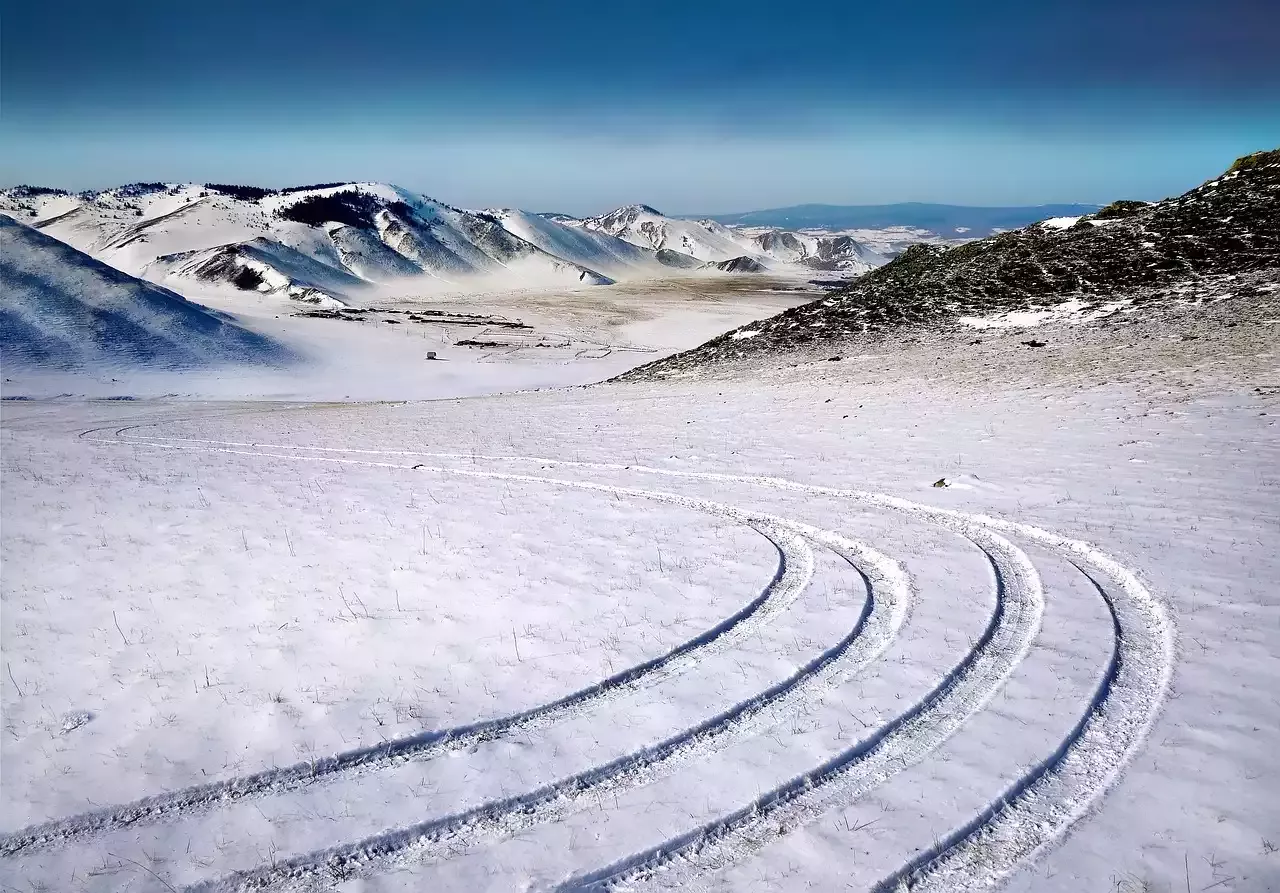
x: 963, y: 707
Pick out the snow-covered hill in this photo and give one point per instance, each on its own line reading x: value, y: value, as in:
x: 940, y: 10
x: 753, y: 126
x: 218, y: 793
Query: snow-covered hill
x: 60, y: 308
x: 1217, y: 243
x: 825, y: 252
x: 268, y: 266
x: 642, y: 225
x: 714, y: 243
x: 591, y: 248
x: 324, y: 243
x: 314, y: 243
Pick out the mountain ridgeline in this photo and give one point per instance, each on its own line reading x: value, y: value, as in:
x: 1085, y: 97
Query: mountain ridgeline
x: 327, y: 242
x: 1221, y: 240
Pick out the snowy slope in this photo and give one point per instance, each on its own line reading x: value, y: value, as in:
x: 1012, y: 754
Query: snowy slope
x: 714, y: 243
x: 61, y: 308
x: 642, y: 225
x: 363, y: 231
x: 266, y: 266
x: 613, y: 634
x: 592, y: 248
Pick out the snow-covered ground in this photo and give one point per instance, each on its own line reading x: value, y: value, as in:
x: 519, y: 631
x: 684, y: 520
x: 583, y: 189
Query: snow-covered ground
x: 571, y: 336
x: 721, y: 635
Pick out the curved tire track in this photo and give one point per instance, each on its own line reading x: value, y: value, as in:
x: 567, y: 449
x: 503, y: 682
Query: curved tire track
x: 1024, y: 821
x: 795, y: 569
x: 877, y: 625
x: 897, y: 745
x: 1039, y: 809
x: 1008, y: 833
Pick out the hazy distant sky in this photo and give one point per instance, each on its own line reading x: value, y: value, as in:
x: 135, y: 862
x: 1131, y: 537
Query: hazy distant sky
x: 690, y: 106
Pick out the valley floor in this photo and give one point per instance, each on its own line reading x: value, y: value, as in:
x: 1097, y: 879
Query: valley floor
x: 725, y: 635
x: 561, y: 337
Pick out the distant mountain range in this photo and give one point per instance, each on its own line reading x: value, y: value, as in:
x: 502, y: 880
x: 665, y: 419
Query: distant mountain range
x: 729, y: 249
x: 948, y: 221
x: 1217, y: 242
x: 326, y: 243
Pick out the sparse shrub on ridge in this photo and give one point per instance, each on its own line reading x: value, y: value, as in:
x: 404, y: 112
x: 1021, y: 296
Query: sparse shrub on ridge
x: 1257, y: 159
x: 350, y: 207
x: 25, y: 191
x: 133, y: 189
x: 243, y: 193
x: 288, y: 189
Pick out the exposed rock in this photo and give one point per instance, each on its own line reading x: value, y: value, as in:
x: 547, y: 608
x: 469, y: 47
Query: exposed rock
x: 1221, y: 238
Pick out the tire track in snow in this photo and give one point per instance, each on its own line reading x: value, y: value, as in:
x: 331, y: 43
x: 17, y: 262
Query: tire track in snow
x: 795, y: 569
x: 1006, y: 835
x: 1039, y: 809
x: 964, y: 691
x: 883, y: 613
x: 897, y: 745
x: 1035, y: 812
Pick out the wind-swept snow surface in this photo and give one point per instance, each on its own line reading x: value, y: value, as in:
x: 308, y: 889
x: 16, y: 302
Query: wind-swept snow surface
x: 944, y: 617
x: 61, y: 309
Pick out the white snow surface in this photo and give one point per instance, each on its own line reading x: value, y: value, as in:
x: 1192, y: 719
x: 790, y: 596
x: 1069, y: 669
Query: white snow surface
x: 564, y: 336
x: 721, y: 636
x: 1074, y: 310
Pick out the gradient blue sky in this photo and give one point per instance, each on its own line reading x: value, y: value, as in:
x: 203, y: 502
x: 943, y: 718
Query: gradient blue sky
x: 690, y: 106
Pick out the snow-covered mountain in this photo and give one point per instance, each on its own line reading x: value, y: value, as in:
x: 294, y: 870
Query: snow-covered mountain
x: 715, y: 243
x: 589, y: 247
x: 325, y: 243
x: 60, y: 308
x: 839, y: 252
x: 318, y: 243
x: 642, y: 225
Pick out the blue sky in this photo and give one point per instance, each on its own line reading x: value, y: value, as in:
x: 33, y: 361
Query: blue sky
x: 691, y: 107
